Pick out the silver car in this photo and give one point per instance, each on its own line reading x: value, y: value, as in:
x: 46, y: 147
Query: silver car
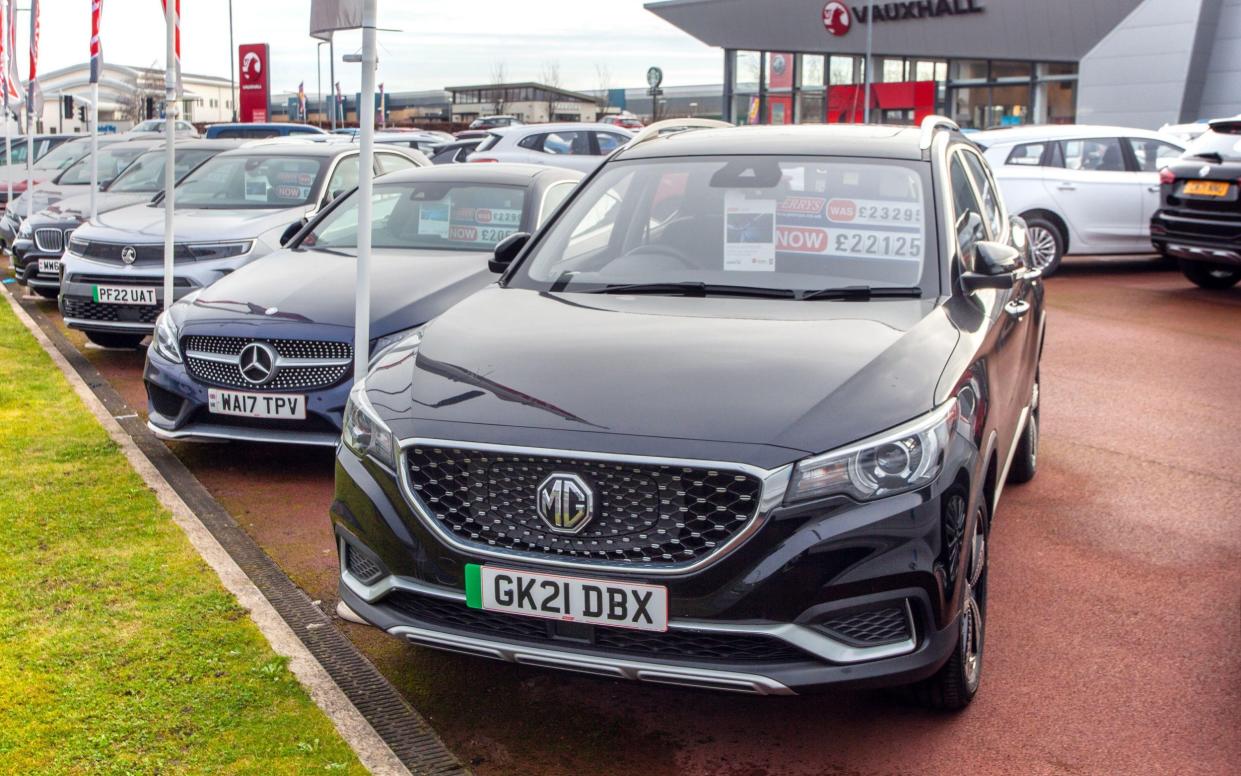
x: 577, y: 146
x: 235, y: 208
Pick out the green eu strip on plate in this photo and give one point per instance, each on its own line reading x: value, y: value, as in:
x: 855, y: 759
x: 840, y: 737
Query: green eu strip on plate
x: 473, y: 586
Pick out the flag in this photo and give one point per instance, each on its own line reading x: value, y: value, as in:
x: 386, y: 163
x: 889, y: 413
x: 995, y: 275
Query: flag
x: 301, y: 100
x: 174, y: 68
x: 381, y: 104
x: 96, y: 49
x: 34, y: 93
x: 11, y: 77
x: 329, y: 15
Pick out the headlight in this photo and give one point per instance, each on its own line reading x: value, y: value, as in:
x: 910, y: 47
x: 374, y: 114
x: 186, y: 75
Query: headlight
x: 26, y: 229
x: 165, y: 339
x: 364, y: 433
x: 388, y: 340
x: 209, y: 251
x: 903, y: 459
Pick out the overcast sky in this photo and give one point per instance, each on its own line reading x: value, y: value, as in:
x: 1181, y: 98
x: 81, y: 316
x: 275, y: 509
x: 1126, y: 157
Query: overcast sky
x: 439, y: 43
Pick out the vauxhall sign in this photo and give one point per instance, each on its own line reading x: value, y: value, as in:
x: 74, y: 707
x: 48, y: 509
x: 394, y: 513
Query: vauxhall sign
x: 838, y: 17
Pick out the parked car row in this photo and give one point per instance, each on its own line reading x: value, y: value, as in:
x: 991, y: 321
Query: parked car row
x: 598, y: 397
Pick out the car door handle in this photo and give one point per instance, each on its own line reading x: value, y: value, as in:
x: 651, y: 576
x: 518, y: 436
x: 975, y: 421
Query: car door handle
x: 1152, y: 189
x: 1067, y: 187
x: 1017, y: 308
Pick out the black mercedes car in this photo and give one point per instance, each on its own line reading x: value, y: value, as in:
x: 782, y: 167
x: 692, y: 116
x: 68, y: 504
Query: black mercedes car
x: 738, y: 417
x: 266, y: 353
x: 1199, y: 219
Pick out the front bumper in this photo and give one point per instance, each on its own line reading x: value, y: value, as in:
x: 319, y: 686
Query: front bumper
x: 805, y: 569
x: 26, y: 256
x: 178, y: 410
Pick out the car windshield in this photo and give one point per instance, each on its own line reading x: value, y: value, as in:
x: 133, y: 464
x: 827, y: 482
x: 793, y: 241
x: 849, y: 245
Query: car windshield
x: 766, y: 222
x: 428, y: 215
x: 111, y: 161
x: 253, y: 181
x: 61, y: 156
x: 146, y: 175
x: 1225, y: 141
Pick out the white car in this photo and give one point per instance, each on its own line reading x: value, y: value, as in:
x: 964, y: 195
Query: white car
x: 576, y: 146
x: 1081, y: 189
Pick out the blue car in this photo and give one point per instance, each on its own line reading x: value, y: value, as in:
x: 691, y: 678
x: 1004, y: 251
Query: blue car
x: 259, y: 131
x: 265, y: 353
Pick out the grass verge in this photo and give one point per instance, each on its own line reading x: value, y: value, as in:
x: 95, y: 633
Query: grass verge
x: 120, y: 652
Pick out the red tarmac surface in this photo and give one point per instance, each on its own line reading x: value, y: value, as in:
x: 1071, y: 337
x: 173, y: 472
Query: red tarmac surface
x: 1114, y: 639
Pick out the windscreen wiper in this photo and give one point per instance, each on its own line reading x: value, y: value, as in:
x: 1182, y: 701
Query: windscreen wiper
x: 1210, y: 156
x: 863, y: 293
x: 695, y: 289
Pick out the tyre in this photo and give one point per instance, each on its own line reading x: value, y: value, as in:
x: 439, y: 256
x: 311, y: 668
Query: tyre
x: 1025, y: 459
x: 1046, y: 244
x: 955, y: 684
x: 107, y: 339
x: 1212, y: 276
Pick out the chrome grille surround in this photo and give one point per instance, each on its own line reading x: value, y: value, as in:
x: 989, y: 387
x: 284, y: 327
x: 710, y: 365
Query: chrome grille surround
x: 681, y: 517
x: 51, y: 239
x: 304, y: 365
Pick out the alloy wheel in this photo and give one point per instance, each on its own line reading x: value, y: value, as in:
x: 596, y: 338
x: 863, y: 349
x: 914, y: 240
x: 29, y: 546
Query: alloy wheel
x: 972, y: 626
x: 1042, y: 246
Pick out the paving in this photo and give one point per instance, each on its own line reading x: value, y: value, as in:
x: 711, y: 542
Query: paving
x: 1114, y: 596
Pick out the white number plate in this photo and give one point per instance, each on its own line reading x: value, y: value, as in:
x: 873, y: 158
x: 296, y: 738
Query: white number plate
x: 570, y: 599
x: 125, y: 295
x: 284, y: 406
x: 49, y: 266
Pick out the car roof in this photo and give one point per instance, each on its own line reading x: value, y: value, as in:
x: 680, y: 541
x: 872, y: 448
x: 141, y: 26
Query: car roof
x: 1035, y: 132
x: 539, y: 129
x: 877, y: 140
x: 195, y: 143
x: 284, y: 147
x: 500, y: 174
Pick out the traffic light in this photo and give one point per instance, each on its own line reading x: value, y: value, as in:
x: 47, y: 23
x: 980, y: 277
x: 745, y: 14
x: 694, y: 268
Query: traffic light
x: 82, y: 113
x: 66, y: 104
x: 150, y: 108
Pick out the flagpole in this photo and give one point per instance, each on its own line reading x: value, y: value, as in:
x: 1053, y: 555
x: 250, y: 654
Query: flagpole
x: 170, y: 133
x: 96, y: 67
x: 331, y: 75
x: 366, y: 172
x: 6, y: 32
x: 32, y: 84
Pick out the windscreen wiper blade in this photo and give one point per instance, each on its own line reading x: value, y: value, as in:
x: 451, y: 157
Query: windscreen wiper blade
x: 1211, y: 156
x: 695, y: 289
x: 863, y: 293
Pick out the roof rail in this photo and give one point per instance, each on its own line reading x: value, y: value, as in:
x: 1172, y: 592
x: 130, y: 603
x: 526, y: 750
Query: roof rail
x: 668, y: 126
x: 932, y: 123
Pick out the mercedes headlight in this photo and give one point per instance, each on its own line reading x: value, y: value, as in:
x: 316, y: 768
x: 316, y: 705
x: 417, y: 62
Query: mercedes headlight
x: 896, y: 461
x: 388, y: 340
x: 364, y: 433
x: 165, y: 339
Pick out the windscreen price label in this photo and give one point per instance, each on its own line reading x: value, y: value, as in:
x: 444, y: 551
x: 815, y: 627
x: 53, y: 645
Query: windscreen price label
x: 874, y: 212
x: 479, y: 234
x: 866, y: 244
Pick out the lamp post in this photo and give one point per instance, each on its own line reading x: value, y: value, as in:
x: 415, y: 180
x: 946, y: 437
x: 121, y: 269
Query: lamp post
x: 232, y: 64
x: 331, y: 76
x: 319, y: 76
x: 870, y: 25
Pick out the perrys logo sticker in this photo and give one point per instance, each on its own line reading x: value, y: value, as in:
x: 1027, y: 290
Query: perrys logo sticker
x: 842, y: 210
x: 836, y: 18
x: 801, y: 239
x: 809, y: 206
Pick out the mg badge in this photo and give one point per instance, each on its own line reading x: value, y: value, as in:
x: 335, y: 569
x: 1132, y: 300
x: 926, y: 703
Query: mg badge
x: 565, y: 502
x: 129, y: 254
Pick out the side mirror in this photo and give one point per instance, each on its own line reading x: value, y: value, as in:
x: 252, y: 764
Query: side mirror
x: 507, y: 250
x: 997, y: 266
x: 291, y: 232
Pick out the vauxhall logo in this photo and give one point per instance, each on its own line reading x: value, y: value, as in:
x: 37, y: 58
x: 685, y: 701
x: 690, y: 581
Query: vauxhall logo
x: 837, y: 19
x: 565, y: 502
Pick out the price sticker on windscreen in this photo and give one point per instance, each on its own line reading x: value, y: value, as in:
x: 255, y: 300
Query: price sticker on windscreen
x: 749, y: 233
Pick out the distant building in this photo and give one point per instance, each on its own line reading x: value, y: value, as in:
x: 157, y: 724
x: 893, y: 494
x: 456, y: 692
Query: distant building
x: 128, y: 95
x: 400, y: 108
x: 530, y: 102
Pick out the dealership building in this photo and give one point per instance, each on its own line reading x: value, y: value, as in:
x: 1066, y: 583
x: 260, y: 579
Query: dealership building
x: 985, y: 63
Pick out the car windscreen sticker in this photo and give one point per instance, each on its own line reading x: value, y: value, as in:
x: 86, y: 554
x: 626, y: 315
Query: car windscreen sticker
x: 749, y: 233
x: 433, y: 218
x: 483, y: 225
x: 874, y: 212
x: 256, y: 188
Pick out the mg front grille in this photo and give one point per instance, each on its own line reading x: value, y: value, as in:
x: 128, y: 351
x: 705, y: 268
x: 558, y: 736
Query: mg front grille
x: 672, y: 644
x: 288, y: 377
x: 644, y: 514
x: 49, y: 240
x: 87, y: 309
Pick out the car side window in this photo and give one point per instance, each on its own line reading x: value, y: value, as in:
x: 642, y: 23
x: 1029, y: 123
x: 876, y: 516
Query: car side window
x: 1027, y: 154
x: 967, y: 212
x: 1153, y: 155
x: 344, y: 177
x: 555, y: 194
x: 567, y: 143
x: 610, y: 141
x: 1098, y: 154
x: 986, y: 187
x: 393, y: 162
x: 534, y: 142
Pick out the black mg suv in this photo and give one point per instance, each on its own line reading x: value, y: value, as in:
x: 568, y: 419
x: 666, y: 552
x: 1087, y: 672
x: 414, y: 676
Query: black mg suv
x: 738, y: 417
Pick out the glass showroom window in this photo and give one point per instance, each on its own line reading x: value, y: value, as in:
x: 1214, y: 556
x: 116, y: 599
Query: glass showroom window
x: 779, y: 81
x: 747, y: 72
x: 812, y: 89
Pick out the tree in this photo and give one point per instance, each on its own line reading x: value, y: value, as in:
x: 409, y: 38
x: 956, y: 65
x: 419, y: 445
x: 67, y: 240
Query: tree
x: 551, y: 80
x: 499, y: 75
x: 603, y: 77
